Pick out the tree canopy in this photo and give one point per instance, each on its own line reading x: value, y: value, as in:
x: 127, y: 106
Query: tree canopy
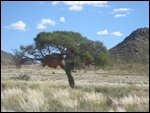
x: 69, y: 50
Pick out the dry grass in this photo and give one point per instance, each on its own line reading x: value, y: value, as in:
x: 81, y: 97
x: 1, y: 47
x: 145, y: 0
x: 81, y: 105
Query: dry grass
x: 46, y: 91
x: 52, y: 97
x: 18, y: 100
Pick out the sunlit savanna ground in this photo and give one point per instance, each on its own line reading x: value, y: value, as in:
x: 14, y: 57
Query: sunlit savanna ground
x: 43, y: 89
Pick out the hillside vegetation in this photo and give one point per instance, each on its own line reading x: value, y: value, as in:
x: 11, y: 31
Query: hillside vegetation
x: 6, y: 58
x: 133, y: 52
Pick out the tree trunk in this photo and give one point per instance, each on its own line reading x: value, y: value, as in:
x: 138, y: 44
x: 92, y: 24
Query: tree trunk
x: 70, y: 79
x: 68, y: 73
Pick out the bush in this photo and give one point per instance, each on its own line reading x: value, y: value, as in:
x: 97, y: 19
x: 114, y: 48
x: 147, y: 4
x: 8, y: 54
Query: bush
x: 24, y: 77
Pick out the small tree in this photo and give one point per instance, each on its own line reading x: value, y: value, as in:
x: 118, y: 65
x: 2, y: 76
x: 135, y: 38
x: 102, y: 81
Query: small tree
x: 69, y: 50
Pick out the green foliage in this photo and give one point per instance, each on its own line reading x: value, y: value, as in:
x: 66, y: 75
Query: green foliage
x: 57, y: 39
x: 101, y: 59
x: 78, y: 51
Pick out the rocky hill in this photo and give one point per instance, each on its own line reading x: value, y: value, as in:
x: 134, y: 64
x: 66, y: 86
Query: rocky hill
x: 133, y: 50
x: 6, y: 58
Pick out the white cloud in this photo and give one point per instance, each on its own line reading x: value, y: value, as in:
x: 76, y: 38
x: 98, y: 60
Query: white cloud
x: 41, y: 2
x: 85, y: 2
x: 78, y: 5
x: 117, y: 33
x: 44, y: 22
x: 103, y: 32
x: 62, y: 19
x: 20, y: 25
x: 55, y: 2
x: 119, y: 15
x: 122, y: 10
x: 75, y: 8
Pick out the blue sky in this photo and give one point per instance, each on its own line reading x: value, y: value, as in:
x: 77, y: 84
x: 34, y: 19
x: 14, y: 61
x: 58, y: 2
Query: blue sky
x: 109, y: 22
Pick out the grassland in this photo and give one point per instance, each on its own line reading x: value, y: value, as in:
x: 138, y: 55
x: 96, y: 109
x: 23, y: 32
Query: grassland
x: 36, y: 89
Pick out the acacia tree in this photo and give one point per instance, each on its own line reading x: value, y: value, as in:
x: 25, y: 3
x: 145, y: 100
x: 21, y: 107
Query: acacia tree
x: 69, y: 50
